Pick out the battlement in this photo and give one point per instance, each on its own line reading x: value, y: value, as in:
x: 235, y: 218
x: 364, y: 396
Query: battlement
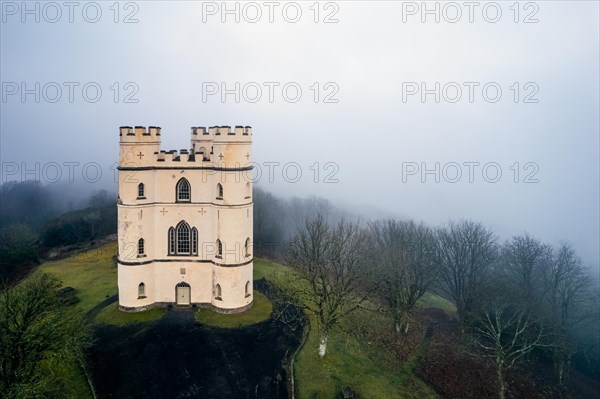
x: 183, y: 157
x: 216, y: 146
x: 202, y: 133
x: 139, y: 134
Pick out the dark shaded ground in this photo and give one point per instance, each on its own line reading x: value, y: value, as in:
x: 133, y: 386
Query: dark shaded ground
x: 176, y: 357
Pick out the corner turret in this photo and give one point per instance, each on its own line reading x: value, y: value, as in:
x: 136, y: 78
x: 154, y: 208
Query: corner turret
x: 138, y: 145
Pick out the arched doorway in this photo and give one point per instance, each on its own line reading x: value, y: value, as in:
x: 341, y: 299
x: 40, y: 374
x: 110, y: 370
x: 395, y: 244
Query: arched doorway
x: 182, y: 293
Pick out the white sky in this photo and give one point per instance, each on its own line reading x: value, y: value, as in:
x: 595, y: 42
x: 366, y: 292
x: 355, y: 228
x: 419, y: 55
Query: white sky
x: 170, y: 54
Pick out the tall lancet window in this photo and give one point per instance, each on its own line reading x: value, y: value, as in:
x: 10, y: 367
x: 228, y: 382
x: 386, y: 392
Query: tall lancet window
x: 141, y: 291
x: 218, y: 292
x: 183, y: 238
x: 183, y: 191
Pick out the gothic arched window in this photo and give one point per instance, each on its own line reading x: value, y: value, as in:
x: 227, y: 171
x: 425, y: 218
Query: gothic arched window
x: 218, y: 292
x: 183, y: 191
x: 219, y: 191
x: 141, y: 290
x: 183, y: 240
x: 247, y: 288
x: 141, y: 190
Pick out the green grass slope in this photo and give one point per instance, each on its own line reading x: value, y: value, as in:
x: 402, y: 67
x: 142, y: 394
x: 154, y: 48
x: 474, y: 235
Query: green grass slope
x: 366, y: 367
x: 92, y: 273
x: 369, y: 369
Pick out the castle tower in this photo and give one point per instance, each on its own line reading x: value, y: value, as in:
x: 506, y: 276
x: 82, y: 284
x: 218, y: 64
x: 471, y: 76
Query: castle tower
x: 185, y: 220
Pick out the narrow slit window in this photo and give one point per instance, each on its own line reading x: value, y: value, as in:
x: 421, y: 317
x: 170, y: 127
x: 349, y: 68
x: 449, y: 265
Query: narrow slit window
x: 247, y: 246
x: 194, y: 241
x: 219, y: 248
x: 171, y: 241
x: 140, y: 247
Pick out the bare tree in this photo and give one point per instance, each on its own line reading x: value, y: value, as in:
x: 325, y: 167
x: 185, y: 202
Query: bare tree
x: 523, y: 260
x: 268, y: 230
x: 506, y: 335
x: 567, y: 287
x: 329, y: 261
x: 405, y: 268
x: 466, y: 251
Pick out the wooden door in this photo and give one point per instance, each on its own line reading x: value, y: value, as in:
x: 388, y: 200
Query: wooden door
x: 183, y: 295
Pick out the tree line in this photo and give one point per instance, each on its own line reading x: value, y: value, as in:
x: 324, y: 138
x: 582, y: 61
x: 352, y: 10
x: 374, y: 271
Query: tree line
x: 36, y: 217
x: 513, y: 299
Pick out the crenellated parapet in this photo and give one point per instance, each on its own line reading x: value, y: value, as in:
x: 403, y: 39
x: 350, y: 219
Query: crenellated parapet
x: 212, y: 147
x: 139, y: 134
x: 222, y: 131
x: 183, y: 157
x: 221, y: 134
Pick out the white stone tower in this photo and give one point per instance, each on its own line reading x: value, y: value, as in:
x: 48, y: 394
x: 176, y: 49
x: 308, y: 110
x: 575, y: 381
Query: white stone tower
x: 185, y: 220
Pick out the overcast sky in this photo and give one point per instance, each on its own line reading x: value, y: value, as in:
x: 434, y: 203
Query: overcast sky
x: 360, y: 119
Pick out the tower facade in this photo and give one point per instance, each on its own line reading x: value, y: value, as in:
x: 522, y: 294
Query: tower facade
x: 185, y: 220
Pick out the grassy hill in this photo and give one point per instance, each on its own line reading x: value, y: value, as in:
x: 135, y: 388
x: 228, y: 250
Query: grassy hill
x: 92, y: 273
x: 368, y: 368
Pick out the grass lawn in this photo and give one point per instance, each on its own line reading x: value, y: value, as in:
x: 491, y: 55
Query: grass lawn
x: 365, y: 367
x: 112, y: 315
x: 260, y: 311
x: 430, y: 300
x: 92, y: 273
x: 272, y: 271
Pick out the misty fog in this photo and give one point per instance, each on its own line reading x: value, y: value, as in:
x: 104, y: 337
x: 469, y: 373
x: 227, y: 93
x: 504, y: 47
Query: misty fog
x: 358, y: 138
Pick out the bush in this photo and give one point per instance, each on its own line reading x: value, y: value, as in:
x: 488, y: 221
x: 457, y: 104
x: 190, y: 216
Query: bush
x: 40, y: 336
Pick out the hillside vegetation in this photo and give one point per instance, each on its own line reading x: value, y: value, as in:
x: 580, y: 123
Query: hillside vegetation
x: 366, y: 367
